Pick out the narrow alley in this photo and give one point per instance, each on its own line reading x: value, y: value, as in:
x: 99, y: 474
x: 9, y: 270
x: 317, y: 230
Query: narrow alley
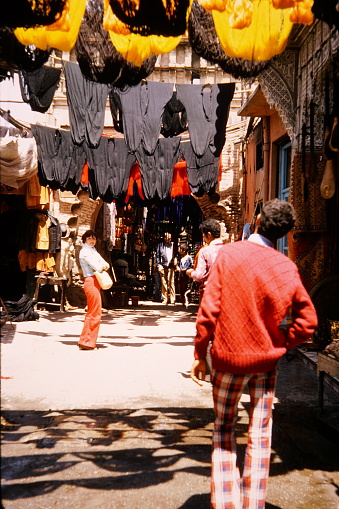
x: 125, y: 427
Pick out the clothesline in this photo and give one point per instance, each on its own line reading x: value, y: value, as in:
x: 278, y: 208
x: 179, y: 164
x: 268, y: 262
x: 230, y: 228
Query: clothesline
x: 18, y: 124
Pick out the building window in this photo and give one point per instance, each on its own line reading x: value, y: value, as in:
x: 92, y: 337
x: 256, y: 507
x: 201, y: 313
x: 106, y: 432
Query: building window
x: 259, y: 156
x: 284, y: 174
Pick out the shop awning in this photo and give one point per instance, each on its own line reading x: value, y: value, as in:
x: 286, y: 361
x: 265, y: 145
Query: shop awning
x: 256, y: 106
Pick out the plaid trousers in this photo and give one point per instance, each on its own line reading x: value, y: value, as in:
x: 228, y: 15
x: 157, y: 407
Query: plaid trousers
x: 228, y: 489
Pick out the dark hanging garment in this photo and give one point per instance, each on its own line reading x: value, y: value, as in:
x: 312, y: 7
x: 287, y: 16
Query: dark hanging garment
x: 157, y: 169
x: 154, y: 101
x: 207, y: 114
x: 111, y: 163
x: 69, y: 163
x: 86, y: 102
x: 327, y: 11
x: 54, y: 235
x: 97, y: 160
x: 202, y: 171
x: 38, y: 87
x: 116, y: 111
x: 174, y: 117
x: 16, y: 55
x: 130, y: 100
x: 132, y: 75
x: 60, y: 160
x: 120, y: 162
x: 25, y: 13
x: 47, y: 147
x: 205, y: 43
x: 222, y: 96
x: 153, y: 17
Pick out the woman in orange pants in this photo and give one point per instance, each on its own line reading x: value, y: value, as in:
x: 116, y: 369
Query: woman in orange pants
x: 91, y: 261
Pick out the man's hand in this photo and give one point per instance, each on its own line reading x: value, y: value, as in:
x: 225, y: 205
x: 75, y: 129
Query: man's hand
x: 198, y: 371
x: 189, y: 272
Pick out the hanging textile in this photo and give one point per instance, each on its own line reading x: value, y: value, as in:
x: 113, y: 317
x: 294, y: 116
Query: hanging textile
x: 256, y: 35
x: 132, y: 110
x: 207, y: 108
x: 174, y: 117
x: 132, y: 74
x: 37, y: 196
x: 134, y: 181
x: 205, y: 43
x: 25, y: 13
x: 141, y: 108
x: 16, y: 54
x: 135, y: 48
x: 180, y: 185
x: 157, y: 169
x: 202, y: 171
x: 152, y: 17
x: 68, y: 163
x: 45, y: 138
x: 60, y: 161
x: 38, y: 87
x: 109, y: 215
x: 87, y: 103
x: 111, y: 163
x: 327, y: 12
x: 97, y: 57
x: 157, y: 95
x: 18, y: 160
x: 62, y: 37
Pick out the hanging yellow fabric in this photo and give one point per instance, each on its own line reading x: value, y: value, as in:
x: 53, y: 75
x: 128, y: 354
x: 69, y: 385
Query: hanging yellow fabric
x: 61, y: 35
x: 135, y: 48
x: 264, y: 35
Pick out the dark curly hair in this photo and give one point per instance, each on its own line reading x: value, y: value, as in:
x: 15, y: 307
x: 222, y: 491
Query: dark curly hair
x: 276, y: 219
x: 88, y: 233
x: 212, y: 226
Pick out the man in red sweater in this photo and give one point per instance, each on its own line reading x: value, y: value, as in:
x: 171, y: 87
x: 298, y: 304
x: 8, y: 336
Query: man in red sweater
x: 250, y: 291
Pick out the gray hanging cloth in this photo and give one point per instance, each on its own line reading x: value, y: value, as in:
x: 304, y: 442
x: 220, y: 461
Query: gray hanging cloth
x: 38, y: 87
x: 86, y: 102
x: 157, y: 96
x: 202, y: 171
x: 157, y: 169
x: 141, y: 109
x: 111, y: 162
x: 130, y: 100
x: 207, y: 108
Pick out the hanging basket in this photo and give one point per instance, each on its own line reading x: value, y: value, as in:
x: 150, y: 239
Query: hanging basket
x: 205, y: 43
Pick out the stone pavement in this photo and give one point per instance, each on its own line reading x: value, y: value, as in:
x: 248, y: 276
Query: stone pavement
x: 125, y: 427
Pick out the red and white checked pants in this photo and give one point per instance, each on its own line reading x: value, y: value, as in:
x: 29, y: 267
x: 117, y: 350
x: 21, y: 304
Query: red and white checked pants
x: 228, y: 489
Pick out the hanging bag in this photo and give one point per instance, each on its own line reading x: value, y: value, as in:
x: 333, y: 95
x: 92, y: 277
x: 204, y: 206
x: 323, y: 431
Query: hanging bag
x: 104, y: 279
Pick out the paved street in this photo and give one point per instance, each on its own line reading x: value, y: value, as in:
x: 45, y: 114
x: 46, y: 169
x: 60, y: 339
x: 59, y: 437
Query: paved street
x: 125, y: 427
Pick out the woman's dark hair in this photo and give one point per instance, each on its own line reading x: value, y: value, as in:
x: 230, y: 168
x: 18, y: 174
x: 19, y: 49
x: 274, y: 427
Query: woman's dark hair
x: 277, y: 218
x: 88, y: 233
x: 212, y: 226
x: 183, y: 247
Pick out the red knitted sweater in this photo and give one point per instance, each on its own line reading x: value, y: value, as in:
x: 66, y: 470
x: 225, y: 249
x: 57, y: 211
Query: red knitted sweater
x: 249, y: 292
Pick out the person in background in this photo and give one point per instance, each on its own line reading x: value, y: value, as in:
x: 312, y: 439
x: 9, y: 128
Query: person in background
x: 91, y: 261
x: 185, y: 263
x: 250, y: 290
x: 166, y: 264
x: 206, y: 256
